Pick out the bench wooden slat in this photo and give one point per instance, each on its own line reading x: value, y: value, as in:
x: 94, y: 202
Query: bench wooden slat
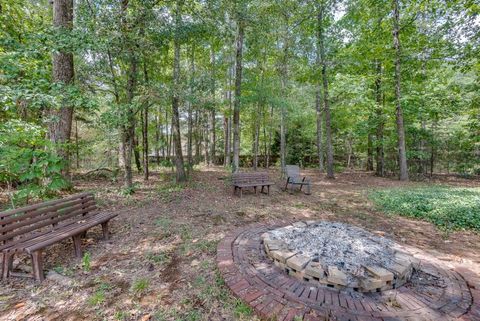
x: 48, y: 221
x: 24, y: 215
x: 44, y: 204
x: 254, y: 184
x: 54, y: 216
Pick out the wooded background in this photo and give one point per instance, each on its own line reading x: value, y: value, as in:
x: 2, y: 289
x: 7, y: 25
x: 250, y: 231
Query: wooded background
x: 387, y: 86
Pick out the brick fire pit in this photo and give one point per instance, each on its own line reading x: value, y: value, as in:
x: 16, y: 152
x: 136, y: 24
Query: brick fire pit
x: 339, y: 256
x: 430, y: 290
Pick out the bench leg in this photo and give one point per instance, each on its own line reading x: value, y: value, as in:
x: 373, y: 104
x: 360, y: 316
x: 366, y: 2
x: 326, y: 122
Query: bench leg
x: 263, y: 186
x: 241, y: 192
x: 106, y: 235
x: 37, y: 266
x: 308, y: 188
x: 77, y: 245
x: 255, y: 188
x: 7, y: 265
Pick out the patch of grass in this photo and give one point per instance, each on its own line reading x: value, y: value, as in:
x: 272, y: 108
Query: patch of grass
x: 164, y: 223
x: 299, y: 205
x: 451, y: 208
x: 63, y: 270
x: 185, y: 233
x: 159, y: 258
x: 168, y: 192
x: 86, y: 262
x: 103, y: 286
x: 140, y: 286
x: 121, y: 315
x: 242, y: 310
x: 206, y: 246
x: 97, y: 298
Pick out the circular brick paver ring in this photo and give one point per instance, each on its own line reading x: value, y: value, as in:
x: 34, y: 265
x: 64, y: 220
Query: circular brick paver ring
x: 435, y: 293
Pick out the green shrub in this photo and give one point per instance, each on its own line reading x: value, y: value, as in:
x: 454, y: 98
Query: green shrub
x: 28, y: 162
x: 451, y: 208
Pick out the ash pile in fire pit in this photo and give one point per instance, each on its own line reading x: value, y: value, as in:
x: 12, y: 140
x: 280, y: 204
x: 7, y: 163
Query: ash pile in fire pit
x: 339, y: 255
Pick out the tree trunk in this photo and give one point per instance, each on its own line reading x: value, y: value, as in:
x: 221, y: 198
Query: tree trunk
x: 433, y: 148
x: 77, y: 148
x: 402, y: 153
x: 265, y: 139
x: 283, y: 109
x: 145, y: 129
x: 157, y: 136
x: 326, y: 103
x: 318, y: 100
x: 206, y: 133
x: 238, y: 92
x: 269, y: 149
x: 168, y: 131
x: 228, y: 132
x: 60, y: 122
x: 256, y: 137
x: 128, y: 130
x: 197, y: 136
x: 370, y: 151
x: 226, y: 143
x: 213, y: 136
x: 180, y: 170
x: 380, y: 169
x: 190, y: 111
x: 136, y: 153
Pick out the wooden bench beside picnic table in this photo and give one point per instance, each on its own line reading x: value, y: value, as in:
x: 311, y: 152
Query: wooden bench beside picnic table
x: 31, y: 229
x: 251, y: 179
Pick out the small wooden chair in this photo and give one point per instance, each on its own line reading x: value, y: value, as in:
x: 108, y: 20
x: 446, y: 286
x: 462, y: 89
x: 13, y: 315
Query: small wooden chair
x: 294, y: 178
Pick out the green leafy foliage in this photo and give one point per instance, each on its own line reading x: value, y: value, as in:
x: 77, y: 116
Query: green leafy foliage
x: 450, y: 208
x: 86, y: 262
x: 28, y: 162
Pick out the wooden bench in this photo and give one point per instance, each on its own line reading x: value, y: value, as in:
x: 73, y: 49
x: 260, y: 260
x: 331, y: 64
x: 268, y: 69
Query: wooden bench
x: 294, y: 178
x: 251, y: 179
x: 33, y: 228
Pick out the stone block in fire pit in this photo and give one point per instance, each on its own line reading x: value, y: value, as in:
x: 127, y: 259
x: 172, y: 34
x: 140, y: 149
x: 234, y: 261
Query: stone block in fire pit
x: 370, y: 284
x: 298, y: 262
x: 400, y: 270
x: 315, y: 270
x: 380, y: 273
x: 282, y: 255
x: 405, y: 257
x: 336, y: 276
x: 273, y: 245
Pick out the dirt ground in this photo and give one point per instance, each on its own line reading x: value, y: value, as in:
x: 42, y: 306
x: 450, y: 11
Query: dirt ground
x: 160, y: 261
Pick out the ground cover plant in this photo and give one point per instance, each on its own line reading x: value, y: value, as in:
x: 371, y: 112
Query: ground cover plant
x: 447, y: 207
